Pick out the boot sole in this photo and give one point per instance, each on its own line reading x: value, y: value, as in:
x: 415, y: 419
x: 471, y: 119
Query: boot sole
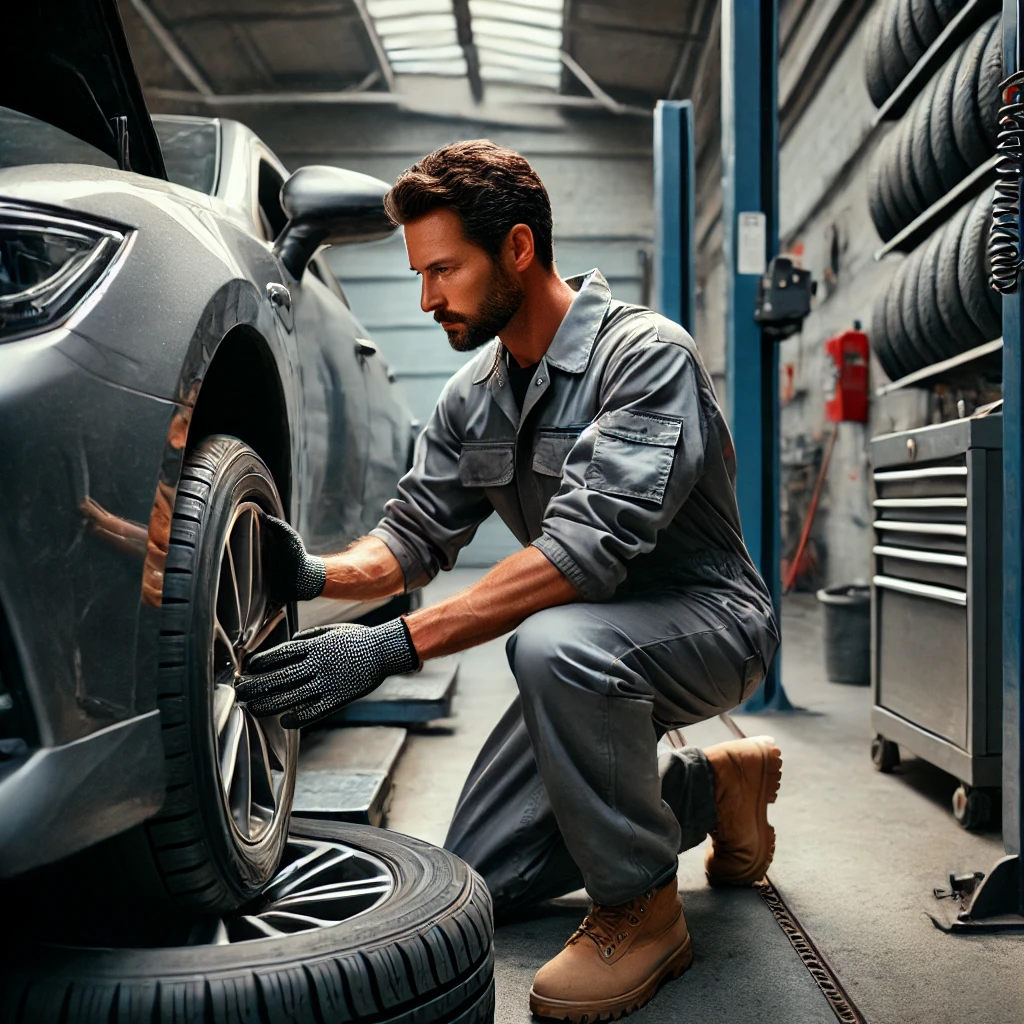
x: 613, y: 1009
x: 768, y: 791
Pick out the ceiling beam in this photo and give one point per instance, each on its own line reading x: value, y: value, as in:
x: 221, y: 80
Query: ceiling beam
x: 464, y: 27
x: 169, y: 45
x: 608, y: 102
x: 669, y: 35
x: 378, y: 47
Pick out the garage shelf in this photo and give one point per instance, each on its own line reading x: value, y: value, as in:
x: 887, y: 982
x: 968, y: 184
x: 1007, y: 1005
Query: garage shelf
x: 938, y: 369
x: 939, y: 212
x: 974, y: 14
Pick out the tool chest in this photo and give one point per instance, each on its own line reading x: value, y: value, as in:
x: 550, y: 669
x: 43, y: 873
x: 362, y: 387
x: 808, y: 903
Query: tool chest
x: 936, y: 603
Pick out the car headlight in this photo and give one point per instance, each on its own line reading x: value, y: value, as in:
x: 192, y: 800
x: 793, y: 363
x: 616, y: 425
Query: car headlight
x: 48, y: 265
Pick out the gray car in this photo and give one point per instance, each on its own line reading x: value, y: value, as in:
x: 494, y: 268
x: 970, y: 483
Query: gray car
x: 175, y: 358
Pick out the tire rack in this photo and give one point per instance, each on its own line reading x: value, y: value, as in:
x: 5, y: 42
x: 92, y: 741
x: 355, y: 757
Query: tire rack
x: 936, y: 601
x: 968, y: 20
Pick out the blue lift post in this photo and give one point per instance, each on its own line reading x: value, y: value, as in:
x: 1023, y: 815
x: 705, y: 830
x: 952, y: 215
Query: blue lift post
x: 998, y: 903
x: 750, y: 200
x: 673, y: 211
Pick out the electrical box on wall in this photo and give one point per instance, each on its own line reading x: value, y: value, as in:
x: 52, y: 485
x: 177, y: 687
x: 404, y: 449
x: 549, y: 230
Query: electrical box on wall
x: 846, y: 377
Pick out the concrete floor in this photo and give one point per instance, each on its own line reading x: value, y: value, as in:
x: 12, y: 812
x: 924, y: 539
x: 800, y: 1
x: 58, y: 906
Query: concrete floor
x: 857, y: 857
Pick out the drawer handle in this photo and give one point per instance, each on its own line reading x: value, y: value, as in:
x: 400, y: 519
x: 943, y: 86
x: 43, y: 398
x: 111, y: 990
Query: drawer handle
x: 912, y: 555
x: 946, y: 529
x: 922, y: 590
x: 921, y: 474
x: 920, y: 503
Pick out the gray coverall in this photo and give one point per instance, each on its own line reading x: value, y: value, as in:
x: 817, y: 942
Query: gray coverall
x: 620, y: 469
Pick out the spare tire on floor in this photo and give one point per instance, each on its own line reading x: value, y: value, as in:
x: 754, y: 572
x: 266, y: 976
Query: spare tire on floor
x: 360, y: 924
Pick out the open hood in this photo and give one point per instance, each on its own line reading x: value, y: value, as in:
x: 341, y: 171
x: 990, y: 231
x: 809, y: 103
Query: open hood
x: 67, y: 62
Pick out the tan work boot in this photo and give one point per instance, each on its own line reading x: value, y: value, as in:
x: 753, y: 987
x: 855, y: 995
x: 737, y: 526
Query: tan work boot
x: 615, y: 961
x: 747, y: 776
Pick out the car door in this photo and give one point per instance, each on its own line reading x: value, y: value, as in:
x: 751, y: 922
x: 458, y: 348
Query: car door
x: 334, y: 397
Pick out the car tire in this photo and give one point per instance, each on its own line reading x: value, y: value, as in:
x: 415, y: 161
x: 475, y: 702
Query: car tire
x: 874, y: 76
x: 932, y: 325
x: 894, y: 61
x: 417, y: 949
x: 989, y: 79
x: 949, y: 162
x: 926, y: 21
x: 968, y: 128
x: 922, y: 159
x: 906, y: 32
x: 963, y: 332
x: 219, y: 836
x: 979, y: 298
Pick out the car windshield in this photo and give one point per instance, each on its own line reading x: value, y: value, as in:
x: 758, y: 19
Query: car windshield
x: 189, y: 147
x: 27, y: 140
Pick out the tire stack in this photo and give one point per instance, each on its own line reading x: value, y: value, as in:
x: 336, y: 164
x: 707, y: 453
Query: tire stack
x: 949, y: 130
x: 899, y: 33
x: 938, y: 303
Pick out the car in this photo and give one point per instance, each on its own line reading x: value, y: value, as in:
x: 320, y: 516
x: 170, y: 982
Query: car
x: 176, y: 358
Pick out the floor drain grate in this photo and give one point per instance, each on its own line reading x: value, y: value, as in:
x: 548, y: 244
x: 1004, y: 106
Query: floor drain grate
x: 818, y: 967
x: 815, y: 963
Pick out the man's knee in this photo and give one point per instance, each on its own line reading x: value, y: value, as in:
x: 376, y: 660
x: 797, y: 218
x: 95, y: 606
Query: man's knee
x: 554, y: 647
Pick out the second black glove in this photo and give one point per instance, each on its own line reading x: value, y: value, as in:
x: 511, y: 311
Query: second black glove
x: 320, y: 670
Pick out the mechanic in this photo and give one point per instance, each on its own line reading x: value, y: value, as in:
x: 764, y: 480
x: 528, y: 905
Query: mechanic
x: 592, y: 428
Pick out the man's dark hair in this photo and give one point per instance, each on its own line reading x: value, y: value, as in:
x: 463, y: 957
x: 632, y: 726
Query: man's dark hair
x: 490, y: 187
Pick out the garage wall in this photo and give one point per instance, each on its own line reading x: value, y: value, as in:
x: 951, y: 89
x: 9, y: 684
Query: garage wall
x: 823, y: 161
x: 597, y: 170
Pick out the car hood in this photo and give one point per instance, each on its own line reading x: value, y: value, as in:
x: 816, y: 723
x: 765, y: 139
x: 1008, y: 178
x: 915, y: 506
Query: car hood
x: 68, y: 63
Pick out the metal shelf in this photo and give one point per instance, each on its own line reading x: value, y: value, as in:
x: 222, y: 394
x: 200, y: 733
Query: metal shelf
x: 973, y: 14
x: 940, y: 211
x: 937, y: 369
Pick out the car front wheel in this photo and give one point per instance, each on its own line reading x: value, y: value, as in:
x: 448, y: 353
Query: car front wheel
x: 230, y: 777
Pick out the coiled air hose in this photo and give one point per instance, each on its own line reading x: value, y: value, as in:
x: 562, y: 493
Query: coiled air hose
x: 1004, y: 237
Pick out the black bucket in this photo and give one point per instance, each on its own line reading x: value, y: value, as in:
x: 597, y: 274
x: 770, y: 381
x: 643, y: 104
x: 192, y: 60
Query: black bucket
x: 847, y: 633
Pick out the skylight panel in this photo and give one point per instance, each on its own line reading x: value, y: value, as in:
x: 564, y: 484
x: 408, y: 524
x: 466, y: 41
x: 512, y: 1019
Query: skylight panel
x: 505, y: 11
x: 518, y: 41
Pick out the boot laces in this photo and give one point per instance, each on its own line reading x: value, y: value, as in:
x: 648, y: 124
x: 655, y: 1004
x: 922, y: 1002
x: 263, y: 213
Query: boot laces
x: 610, y: 926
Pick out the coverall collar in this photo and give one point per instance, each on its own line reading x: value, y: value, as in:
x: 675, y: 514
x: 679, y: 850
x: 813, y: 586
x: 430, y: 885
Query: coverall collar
x: 570, y: 348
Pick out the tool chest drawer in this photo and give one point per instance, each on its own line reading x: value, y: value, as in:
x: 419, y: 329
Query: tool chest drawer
x: 935, y: 602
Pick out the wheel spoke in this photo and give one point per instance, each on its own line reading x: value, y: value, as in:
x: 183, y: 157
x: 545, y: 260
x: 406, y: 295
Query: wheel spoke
x: 229, y: 749
x: 263, y: 795
x: 220, y: 636
x: 306, y: 869
x: 338, y: 891
x: 268, y: 627
x: 267, y: 930
x: 235, y: 585
x: 291, y: 918
x: 241, y: 789
x: 223, y: 702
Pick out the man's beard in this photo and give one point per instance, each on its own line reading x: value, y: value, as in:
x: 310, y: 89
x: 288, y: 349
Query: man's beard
x: 504, y: 297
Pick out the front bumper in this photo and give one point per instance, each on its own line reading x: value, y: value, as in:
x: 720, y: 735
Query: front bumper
x: 55, y: 801
x: 71, y: 594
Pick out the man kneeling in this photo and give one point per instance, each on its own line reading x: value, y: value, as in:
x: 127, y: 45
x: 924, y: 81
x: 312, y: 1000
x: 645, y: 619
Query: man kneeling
x: 591, y: 426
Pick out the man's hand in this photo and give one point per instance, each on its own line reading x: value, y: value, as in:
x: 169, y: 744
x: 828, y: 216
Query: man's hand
x: 290, y: 574
x: 321, y: 670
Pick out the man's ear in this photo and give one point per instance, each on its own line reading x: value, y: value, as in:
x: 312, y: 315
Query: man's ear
x: 520, y: 246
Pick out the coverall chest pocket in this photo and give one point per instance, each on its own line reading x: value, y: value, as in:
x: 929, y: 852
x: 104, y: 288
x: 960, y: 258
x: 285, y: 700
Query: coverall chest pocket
x: 552, y: 449
x: 487, y: 463
x: 633, y: 455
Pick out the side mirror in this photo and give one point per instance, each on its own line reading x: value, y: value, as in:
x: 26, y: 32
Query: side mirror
x: 329, y: 206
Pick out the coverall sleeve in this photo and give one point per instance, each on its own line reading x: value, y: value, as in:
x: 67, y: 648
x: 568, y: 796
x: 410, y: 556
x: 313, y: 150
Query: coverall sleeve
x: 631, y: 469
x: 434, y: 515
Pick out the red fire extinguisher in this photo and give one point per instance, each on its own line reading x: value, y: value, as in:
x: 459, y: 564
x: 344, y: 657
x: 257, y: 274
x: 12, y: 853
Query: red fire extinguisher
x: 846, y: 376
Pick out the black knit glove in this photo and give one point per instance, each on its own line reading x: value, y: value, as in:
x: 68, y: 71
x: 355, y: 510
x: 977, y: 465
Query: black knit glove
x: 321, y: 670
x: 289, y: 573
